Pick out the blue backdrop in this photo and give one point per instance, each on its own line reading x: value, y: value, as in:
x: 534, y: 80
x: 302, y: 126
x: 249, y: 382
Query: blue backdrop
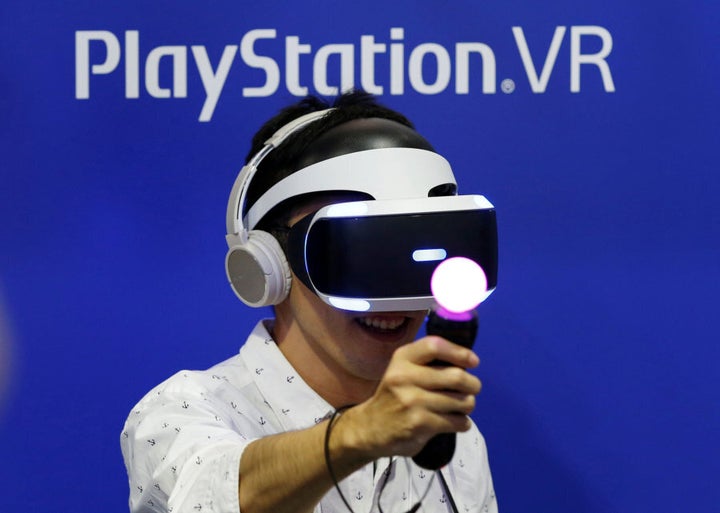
x: 592, y: 126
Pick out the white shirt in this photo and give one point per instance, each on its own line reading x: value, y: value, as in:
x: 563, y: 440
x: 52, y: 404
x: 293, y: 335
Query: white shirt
x: 183, y: 442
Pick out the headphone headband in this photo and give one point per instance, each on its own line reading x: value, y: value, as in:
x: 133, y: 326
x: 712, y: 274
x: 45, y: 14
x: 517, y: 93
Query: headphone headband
x: 255, y: 264
x: 238, y: 196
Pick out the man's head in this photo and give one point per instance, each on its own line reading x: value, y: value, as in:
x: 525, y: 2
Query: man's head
x: 366, y: 157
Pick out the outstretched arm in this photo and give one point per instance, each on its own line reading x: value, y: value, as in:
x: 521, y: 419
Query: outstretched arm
x: 412, y: 403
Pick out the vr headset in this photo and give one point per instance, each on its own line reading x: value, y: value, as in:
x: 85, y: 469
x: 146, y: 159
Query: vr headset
x: 365, y: 256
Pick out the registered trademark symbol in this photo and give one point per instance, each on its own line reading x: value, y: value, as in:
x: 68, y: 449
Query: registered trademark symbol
x: 507, y: 86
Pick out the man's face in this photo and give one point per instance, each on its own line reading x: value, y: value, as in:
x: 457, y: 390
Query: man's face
x: 330, y: 345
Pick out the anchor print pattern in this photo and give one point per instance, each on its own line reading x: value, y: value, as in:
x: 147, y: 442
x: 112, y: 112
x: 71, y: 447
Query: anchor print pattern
x: 212, y: 399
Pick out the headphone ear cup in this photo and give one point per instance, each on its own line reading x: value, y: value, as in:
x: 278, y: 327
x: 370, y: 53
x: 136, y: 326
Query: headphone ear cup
x: 258, y: 270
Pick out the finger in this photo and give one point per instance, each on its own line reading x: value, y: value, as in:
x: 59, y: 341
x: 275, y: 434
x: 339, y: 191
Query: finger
x: 448, y: 378
x: 446, y: 403
x: 436, y: 402
x: 450, y: 422
x: 432, y: 348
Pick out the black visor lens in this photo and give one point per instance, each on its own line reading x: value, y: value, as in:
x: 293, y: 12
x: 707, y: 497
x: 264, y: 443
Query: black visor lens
x: 394, y: 255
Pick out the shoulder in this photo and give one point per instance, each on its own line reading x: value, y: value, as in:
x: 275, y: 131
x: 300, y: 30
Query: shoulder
x: 232, y: 373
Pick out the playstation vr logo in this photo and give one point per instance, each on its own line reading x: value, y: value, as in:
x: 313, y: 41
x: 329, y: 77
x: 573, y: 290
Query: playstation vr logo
x: 470, y: 66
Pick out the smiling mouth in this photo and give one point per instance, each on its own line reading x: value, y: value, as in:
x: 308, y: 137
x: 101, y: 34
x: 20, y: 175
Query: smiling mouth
x: 383, y: 325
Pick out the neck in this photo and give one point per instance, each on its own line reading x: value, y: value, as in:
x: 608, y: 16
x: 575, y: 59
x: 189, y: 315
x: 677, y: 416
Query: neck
x: 320, y: 370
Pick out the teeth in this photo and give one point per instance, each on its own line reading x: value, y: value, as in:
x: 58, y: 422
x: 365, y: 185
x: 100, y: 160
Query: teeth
x: 381, y: 323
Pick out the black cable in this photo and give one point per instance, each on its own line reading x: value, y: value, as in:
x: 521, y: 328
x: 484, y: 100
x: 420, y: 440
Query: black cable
x: 449, y: 495
x: 417, y: 504
x: 326, y: 447
x: 328, y: 464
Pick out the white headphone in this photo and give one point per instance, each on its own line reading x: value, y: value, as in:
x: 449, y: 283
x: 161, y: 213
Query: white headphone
x: 255, y: 264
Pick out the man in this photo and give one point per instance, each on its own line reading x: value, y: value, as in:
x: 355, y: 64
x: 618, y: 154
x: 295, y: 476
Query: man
x: 255, y: 433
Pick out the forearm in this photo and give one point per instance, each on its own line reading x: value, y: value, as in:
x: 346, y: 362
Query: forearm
x: 288, y: 473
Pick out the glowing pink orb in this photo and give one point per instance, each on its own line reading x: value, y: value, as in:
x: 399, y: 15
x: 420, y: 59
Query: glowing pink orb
x: 459, y: 284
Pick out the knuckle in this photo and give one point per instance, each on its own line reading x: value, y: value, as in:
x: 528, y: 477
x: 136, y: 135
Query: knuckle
x: 416, y: 419
x: 433, y: 345
x: 408, y: 399
x: 392, y: 378
x: 469, y: 404
x: 456, y: 377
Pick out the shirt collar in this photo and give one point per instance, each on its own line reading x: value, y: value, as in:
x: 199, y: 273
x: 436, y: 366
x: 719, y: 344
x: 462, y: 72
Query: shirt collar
x: 296, y: 405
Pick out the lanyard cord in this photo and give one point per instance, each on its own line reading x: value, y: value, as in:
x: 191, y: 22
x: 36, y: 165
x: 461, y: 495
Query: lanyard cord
x: 326, y: 449
x: 417, y: 504
x: 449, y: 495
x: 386, y: 477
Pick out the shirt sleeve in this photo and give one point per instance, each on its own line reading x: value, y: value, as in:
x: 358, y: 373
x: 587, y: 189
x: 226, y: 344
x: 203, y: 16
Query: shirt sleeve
x: 182, y: 450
